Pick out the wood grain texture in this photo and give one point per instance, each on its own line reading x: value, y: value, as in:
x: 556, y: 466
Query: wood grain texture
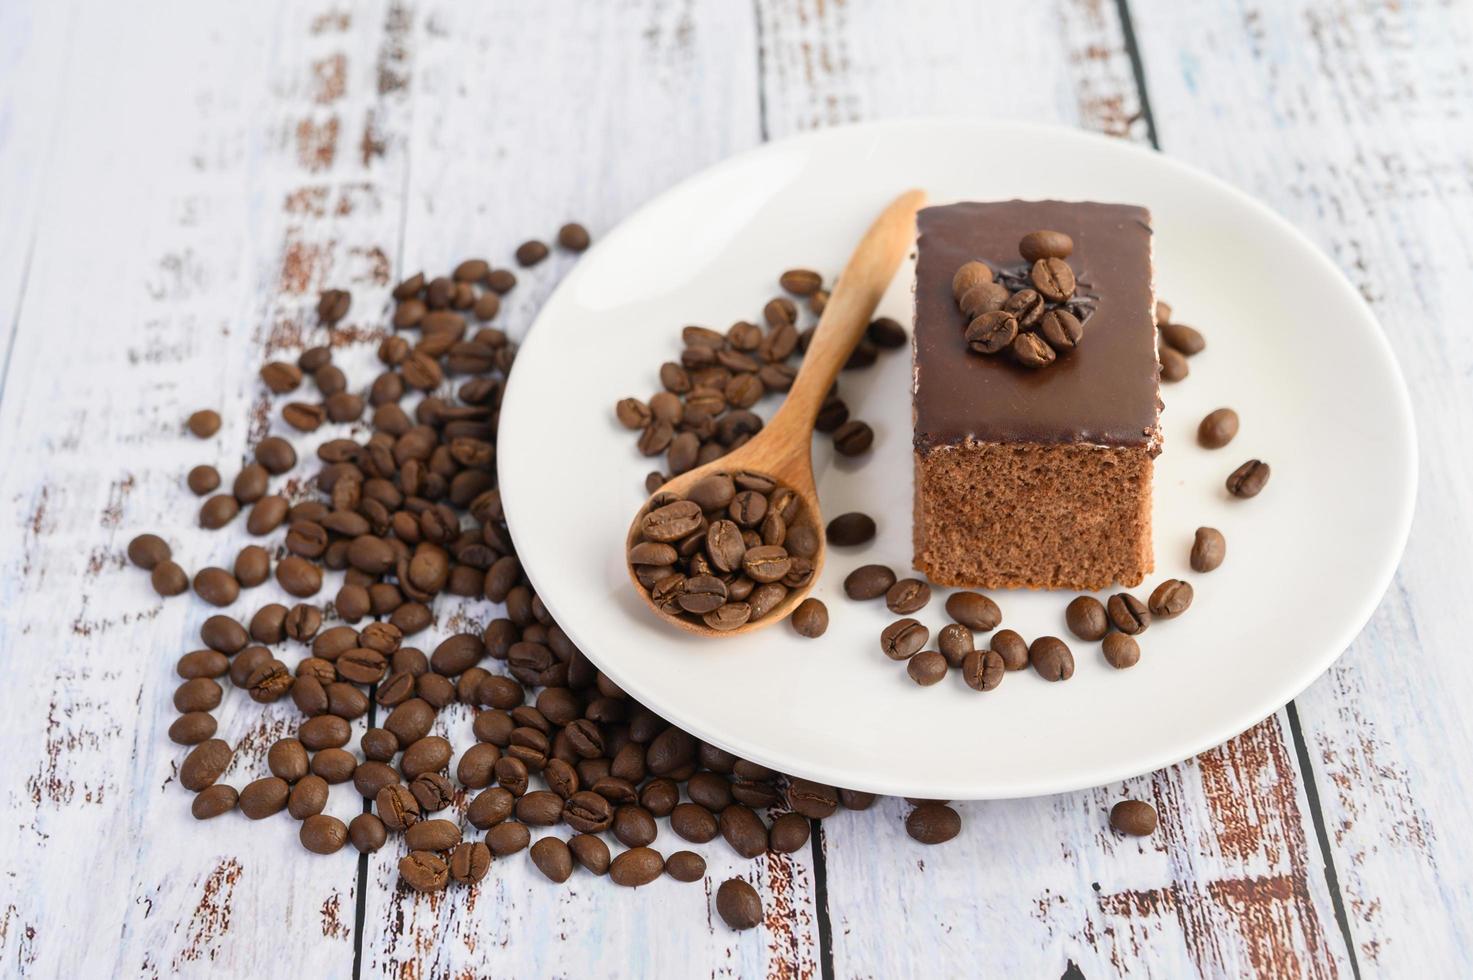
x: 1353, y: 120
x: 1234, y: 882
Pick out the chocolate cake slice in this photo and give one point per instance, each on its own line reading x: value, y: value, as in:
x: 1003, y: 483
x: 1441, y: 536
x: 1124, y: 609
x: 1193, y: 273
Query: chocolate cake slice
x: 1036, y: 477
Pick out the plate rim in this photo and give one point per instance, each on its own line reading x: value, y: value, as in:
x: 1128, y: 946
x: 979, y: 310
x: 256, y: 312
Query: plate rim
x: 1243, y: 720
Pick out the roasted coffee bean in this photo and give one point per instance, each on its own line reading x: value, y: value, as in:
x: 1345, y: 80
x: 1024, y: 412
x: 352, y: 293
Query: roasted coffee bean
x: 926, y: 668
x: 982, y: 299
x: 1173, y: 364
x: 539, y: 808
x: 659, y: 796
x: 591, y: 852
x: 1217, y: 428
x: 529, y: 253
x: 148, y: 551
x: 848, y: 530
x: 852, y: 799
x: 476, y: 768
x: 1045, y: 244
x: 763, y: 598
x: 789, y: 833
x: 508, y: 837
x: 1030, y: 350
x: 694, y: 822
x: 764, y: 563
x: 1053, y: 278
x: 553, y: 858
x: 192, y: 728
x: 973, y: 610
x: 1086, y: 618
x: 204, y: 764
x: 1061, y: 329
x: 298, y: 576
x: 903, y: 639
x: 811, y: 799
x: 334, y: 765
x: 218, y: 511
x: 276, y: 455
x: 212, y: 801
x: 1128, y: 614
x: 224, y: 634
x: 1121, y: 651
x: 429, y: 754
x: 1183, y: 338
x: 933, y: 823
x: 432, y: 835
x: 268, y: 625
x: 367, y: 833
x: 1209, y: 548
x: 324, y: 732
x: 685, y: 866
x: 397, y: 807
x: 853, y: 438
x: 252, y: 566
x: 1028, y: 306
x: 1134, y: 817
x: 288, y: 759
x: 886, y: 334
x: 992, y: 331
x: 490, y: 807
x: 168, y: 579
x: 811, y: 618
x: 743, y: 830
x: 307, y: 797
x: 588, y: 812
x: 1052, y: 658
x: 573, y: 237
x: 982, y: 670
x: 250, y: 483
x: 672, y: 522
x: 370, y: 777
x: 969, y: 274
x: 469, y: 862
x: 204, y: 423
x: 800, y: 282
x: 309, y: 695
x: 739, y: 905
x: 748, y: 508
x: 636, y: 866
x: 633, y: 826
x: 281, y: 376
x: 954, y: 642
x: 264, y: 797
x: 730, y: 616
x: 907, y: 596
x: 1170, y: 599
x: 202, y: 480
x: 424, y: 871
x: 1247, y: 480
x: 216, y: 586
x: 712, y: 493
x: 868, y: 582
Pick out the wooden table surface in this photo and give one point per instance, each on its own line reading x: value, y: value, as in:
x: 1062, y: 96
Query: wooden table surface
x: 177, y: 180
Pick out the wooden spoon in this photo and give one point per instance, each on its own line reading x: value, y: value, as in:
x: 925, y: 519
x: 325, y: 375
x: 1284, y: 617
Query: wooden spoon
x: 782, y: 449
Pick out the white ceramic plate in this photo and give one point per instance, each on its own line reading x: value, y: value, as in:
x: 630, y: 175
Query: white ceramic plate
x: 1291, y: 346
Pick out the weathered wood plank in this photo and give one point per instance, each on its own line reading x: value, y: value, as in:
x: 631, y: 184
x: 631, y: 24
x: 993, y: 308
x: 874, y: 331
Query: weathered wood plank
x: 1353, y: 120
x: 1233, y: 884
x: 551, y: 112
x: 199, y: 193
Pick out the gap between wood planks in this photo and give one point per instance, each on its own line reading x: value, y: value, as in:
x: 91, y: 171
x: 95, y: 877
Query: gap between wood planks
x: 1296, y: 731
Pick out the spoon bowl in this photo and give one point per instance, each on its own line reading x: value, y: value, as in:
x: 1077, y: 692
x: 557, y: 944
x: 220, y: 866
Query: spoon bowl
x: 782, y: 450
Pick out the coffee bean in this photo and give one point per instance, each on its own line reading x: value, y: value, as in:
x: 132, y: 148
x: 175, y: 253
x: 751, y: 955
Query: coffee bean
x: 1028, y: 306
x: 636, y: 866
x: 1053, y: 278
x: 765, y: 563
x: 367, y: 833
x: 323, y: 834
x: 298, y: 576
x: 926, y: 668
x: 743, y: 830
x: 1061, y: 329
x: 811, y: 799
x: 672, y: 521
x: 212, y: 801
x: 728, y: 617
x: 800, y: 282
x: 853, y: 438
x: 886, y: 334
x: 429, y: 754
x: 218, y: 511
x: 933, y: 823
x: 1209, y: 548
x: 693, y: 822
x: 1128, y: 614
x: 1217, y: 428
x: 848, y: 530
x: 334, y: 765
x: 1247, y: 480
x: 907, y: 596
x: 276, y: 455
x: 738, y: 904
x: 1031, y: 351
x: 1134, y: 817
x: 216, y: 586
x: 973, y: 610
x: 954, y: 641
x: 685, y: 866
x: 529, y: 253
x: 424, y: 871
x: 855, y: 800
x: 553, y: 858
x: 264, y: 797
x: 192, y: 728
x: 868, y: 582
x: 397, y: 807
x: 982, y: 299
x: 982, y: 669
x: 202, y: 480
x: 197, y: 694
x: 1086, y: 618
x: 1173, y: 364
x: 205, y: 764
x: 432, y: 835
x: 573, y: 237
x: 539, y: 808
x: 1121, y: 651
x: 469, y: 862
x: 288, y: 759
x: 1170, y: 599
x: 811, y: 618
x: 991, y: 331
x: 1183, y: 338
x: 490, y: 807
x: 1045, y: 244
x: 970, y: 274
x: 168, y: 578
x: 591, y: 852
x: 1052, y: 659
x: 508, y: 837
x: 252, y: 566
x: 633, y: 826
x: 148, y: 551
x: 204, y: 423
x: 281, y: 376
x: 903, y: 639
x: 588, y: 812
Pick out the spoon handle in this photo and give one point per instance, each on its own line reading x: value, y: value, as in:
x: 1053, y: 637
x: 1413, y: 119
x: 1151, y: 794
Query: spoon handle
x: 847, y: 313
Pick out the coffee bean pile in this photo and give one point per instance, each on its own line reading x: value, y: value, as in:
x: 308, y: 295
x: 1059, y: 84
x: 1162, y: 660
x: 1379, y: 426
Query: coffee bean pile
x: 728, y: 552
x: 705, y: 408
x: 1119, y: 621
x: 1034, y: 312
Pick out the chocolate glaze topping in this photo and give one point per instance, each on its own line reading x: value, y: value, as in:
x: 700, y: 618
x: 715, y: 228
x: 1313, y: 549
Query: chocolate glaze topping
x: 1105, y: 391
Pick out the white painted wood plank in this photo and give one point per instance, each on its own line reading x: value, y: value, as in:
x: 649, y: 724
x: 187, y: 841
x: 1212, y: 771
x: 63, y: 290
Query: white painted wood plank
x: 1233, y: 884
x: 197, y: 198
x: 545, y: 113
x: 1353, y: 120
